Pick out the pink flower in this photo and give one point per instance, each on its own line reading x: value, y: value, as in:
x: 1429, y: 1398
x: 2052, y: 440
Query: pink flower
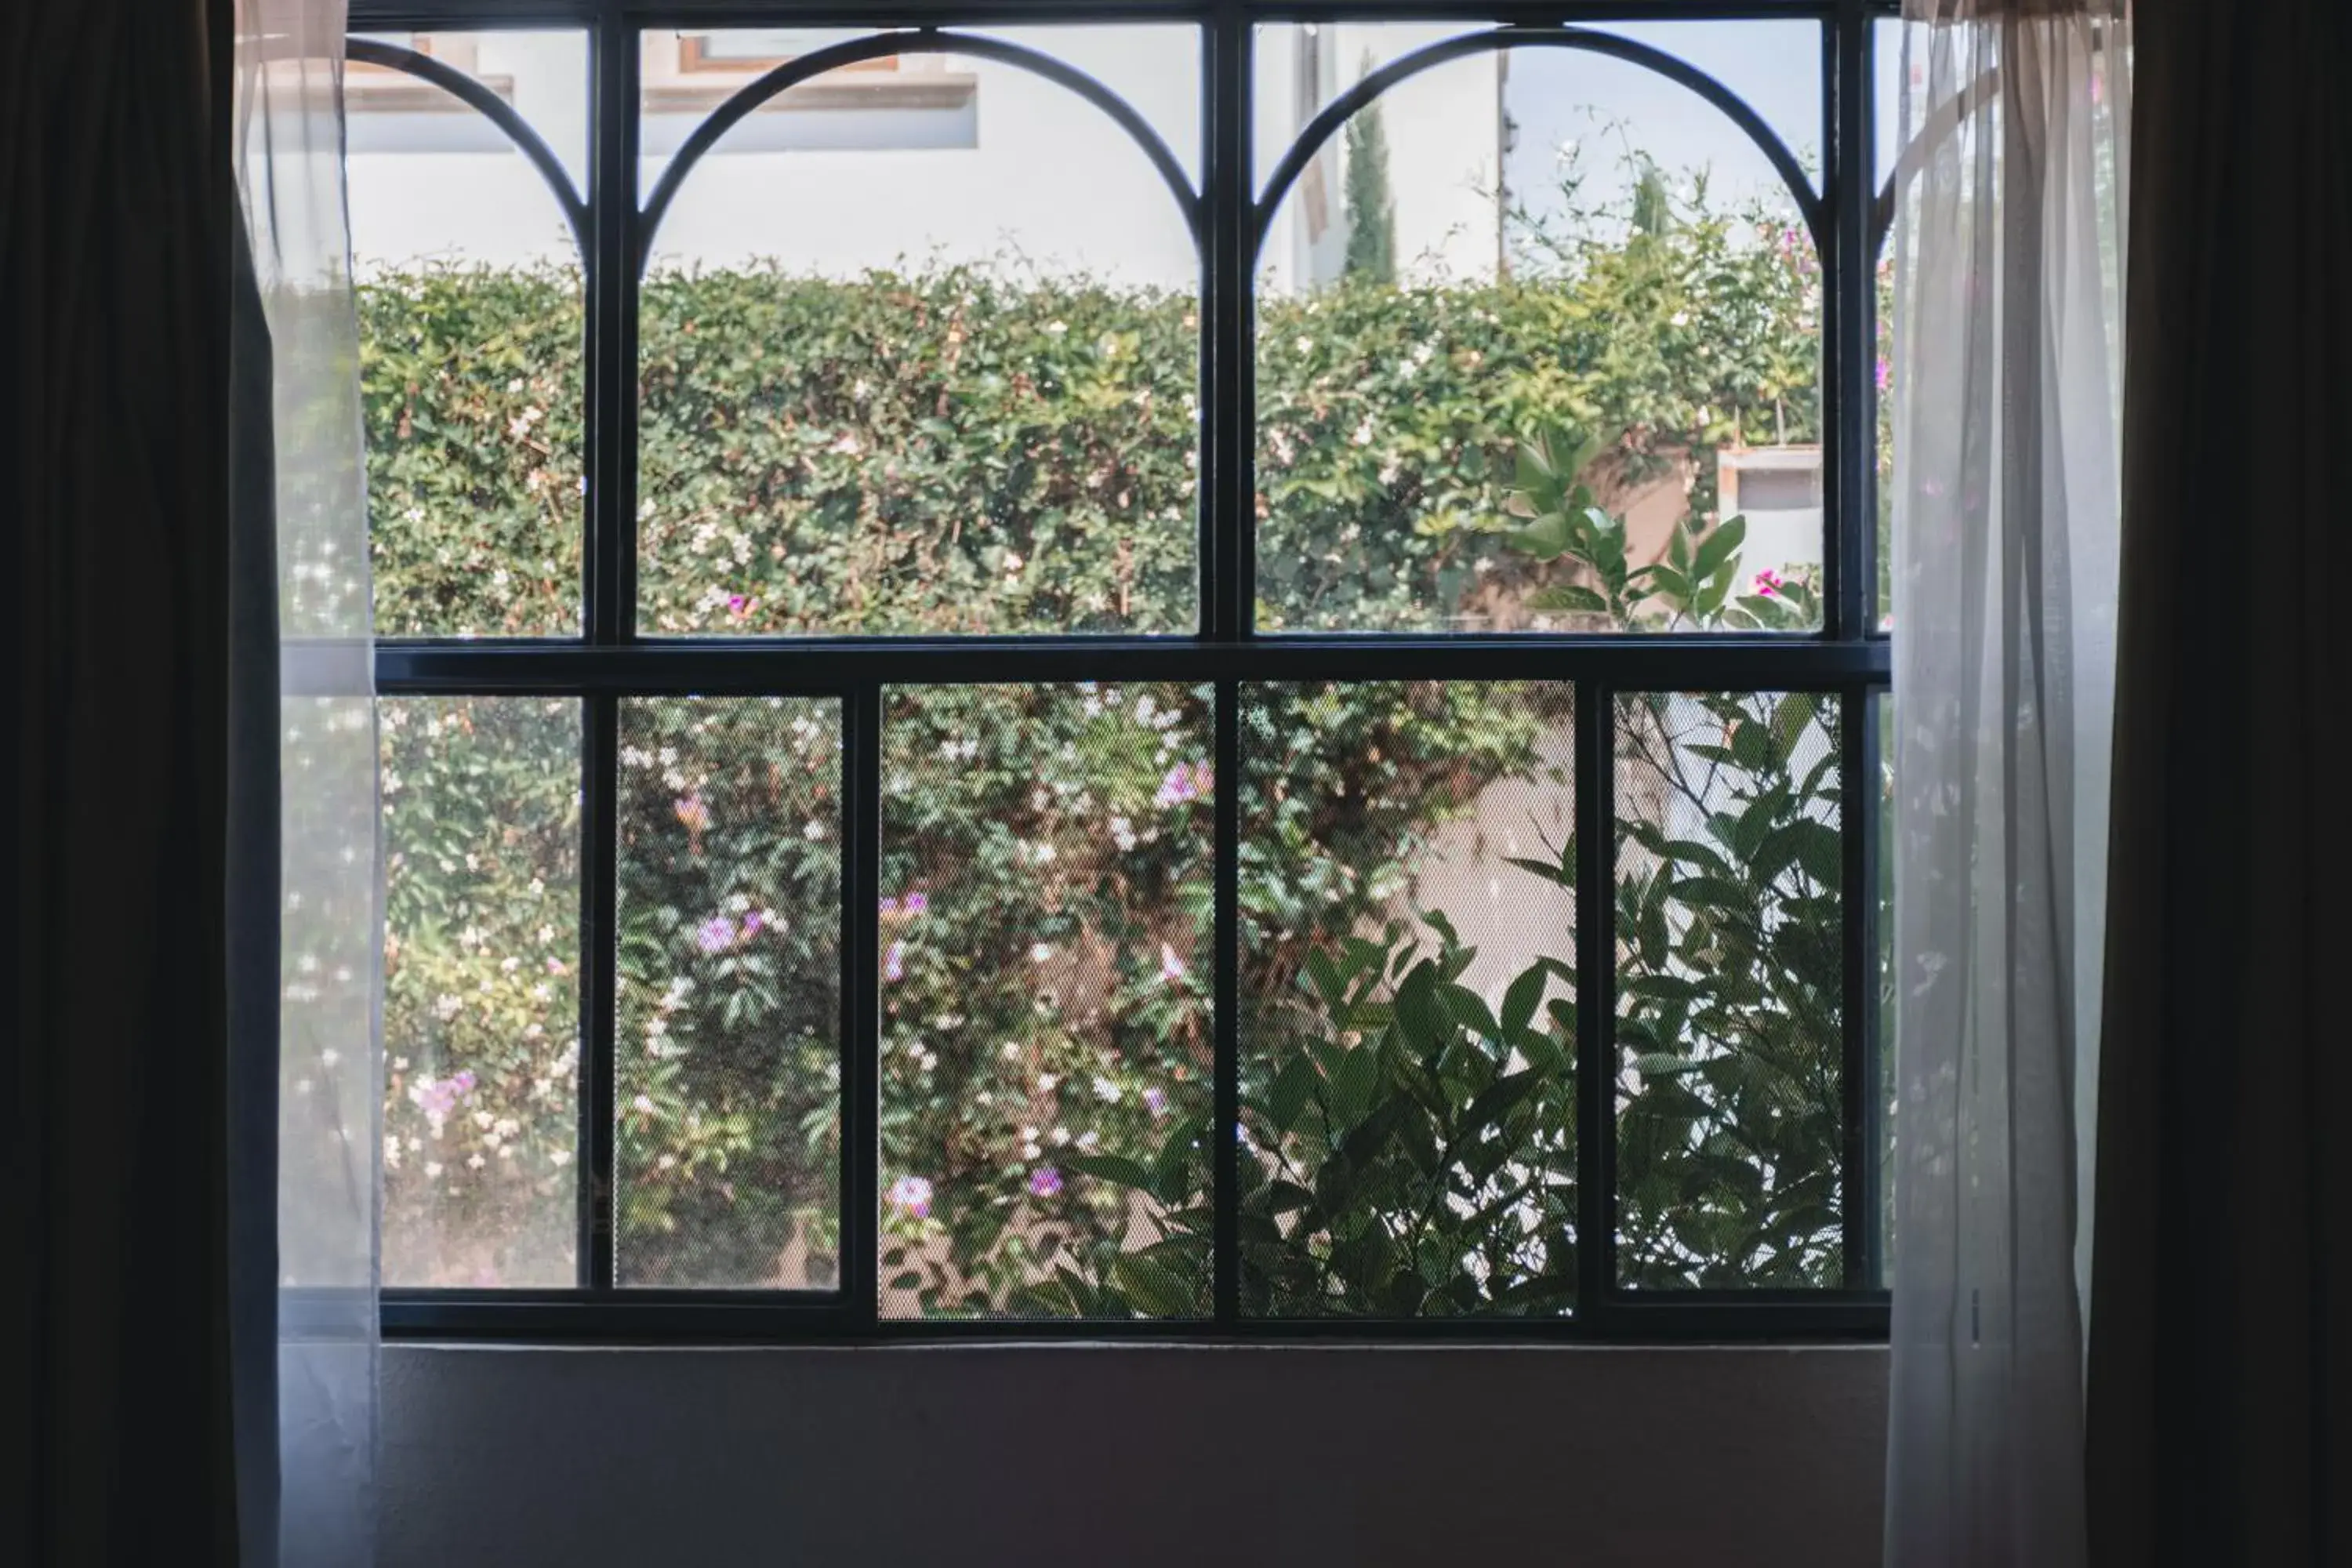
x: 1044, y: 1182
x: 889, y: 906
x: 1183, y: 784
x: 1886, y: 375
x: 894, y: 966
x: 739, y: 605
x: 912, y: 1196
x: 715, y: 935
x: 1171, y: 966
x: 916, y: 903
x: 751, y: 925
x: 1769, y: 582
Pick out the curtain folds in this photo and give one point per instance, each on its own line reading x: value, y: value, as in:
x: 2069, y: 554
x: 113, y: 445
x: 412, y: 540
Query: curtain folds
x: 125, y: 1243
x: 297, y: 436
x: 2220, y: 1360
x: 2008, y: 258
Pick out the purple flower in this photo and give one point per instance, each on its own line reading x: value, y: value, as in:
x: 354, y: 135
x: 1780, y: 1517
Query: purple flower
x: 739, y: 605
x: 894, y: 965
x: 437, y: 1099
x: 716, y: 934
x: 1886, y: 374
x: 1156, y: 1098
x: 1183, y: 784
x: 692, y: 811
x: 916, y: 903
x: 751, y: 925
x: 1044, y: 1182
x: 889, y: 906
x: 912, y: 1196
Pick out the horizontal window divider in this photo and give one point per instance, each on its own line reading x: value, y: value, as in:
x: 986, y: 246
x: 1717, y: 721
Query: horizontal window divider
x: 669, y: 1318
x: 368, y: 16
x: 830, y: 667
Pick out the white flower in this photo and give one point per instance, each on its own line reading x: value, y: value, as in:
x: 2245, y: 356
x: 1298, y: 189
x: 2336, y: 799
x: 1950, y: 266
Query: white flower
x: 1106, y: 1091
x: 433, y: 1168
x: 1039, y: 952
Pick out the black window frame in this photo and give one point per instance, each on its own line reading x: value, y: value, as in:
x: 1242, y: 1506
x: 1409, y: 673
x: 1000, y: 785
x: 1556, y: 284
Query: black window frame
x: 1848, y: 656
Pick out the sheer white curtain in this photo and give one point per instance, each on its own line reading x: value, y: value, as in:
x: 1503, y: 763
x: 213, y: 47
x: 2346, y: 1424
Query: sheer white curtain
x: 2007, y: 324
x: 290, y: 165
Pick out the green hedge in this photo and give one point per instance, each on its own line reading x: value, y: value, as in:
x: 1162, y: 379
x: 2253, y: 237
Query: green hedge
x: 961, y: 450
x: 964, y: 451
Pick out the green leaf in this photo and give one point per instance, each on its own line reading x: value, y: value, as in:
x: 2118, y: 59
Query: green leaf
x: 1153, y: 1286
x: 1520, y: 1000
x: 1568, y: 597
x: 1718, y: 547
x: 1790, y: 718
x: 1111, y: 1168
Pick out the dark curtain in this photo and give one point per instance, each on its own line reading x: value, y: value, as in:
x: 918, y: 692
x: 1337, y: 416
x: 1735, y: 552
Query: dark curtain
x: 2221, y: 1354
x: 138, y: 1201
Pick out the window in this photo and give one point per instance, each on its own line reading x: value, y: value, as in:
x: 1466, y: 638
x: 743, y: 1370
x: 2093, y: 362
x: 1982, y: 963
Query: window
x: 1200, y: 674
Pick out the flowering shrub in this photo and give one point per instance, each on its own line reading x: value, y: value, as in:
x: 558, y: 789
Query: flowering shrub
x: 957, y: 451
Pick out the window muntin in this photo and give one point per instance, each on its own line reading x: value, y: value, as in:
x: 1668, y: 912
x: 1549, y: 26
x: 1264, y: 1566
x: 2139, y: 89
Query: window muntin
x: 828, y: 1272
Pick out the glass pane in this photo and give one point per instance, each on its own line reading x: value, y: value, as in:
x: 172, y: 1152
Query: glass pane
x: 1729, y: 1115
x: 481, y: 990
x: 919, y: 350
x: 1408, y: 999
x: 1773, y: 67
x: 1532, y: 321
x: 471, y: 329
x: 727, y: 1059
x: 1045, y: 1067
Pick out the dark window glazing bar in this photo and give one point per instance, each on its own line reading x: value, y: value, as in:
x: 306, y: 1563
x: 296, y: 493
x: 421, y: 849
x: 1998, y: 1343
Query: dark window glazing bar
x: 861, y: 1007
x: 1229, y: 356
x: 1861, y: 1198
x: 599, y: 954
x: 1849, y: 313
x: 653, y: 1317
x: 1699, y: 663
x: 612, y: 337
x: 1595, y: 994
x: 385, y: 14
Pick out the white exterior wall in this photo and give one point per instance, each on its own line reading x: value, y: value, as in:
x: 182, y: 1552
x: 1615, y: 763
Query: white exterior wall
x: 1025, y: 168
